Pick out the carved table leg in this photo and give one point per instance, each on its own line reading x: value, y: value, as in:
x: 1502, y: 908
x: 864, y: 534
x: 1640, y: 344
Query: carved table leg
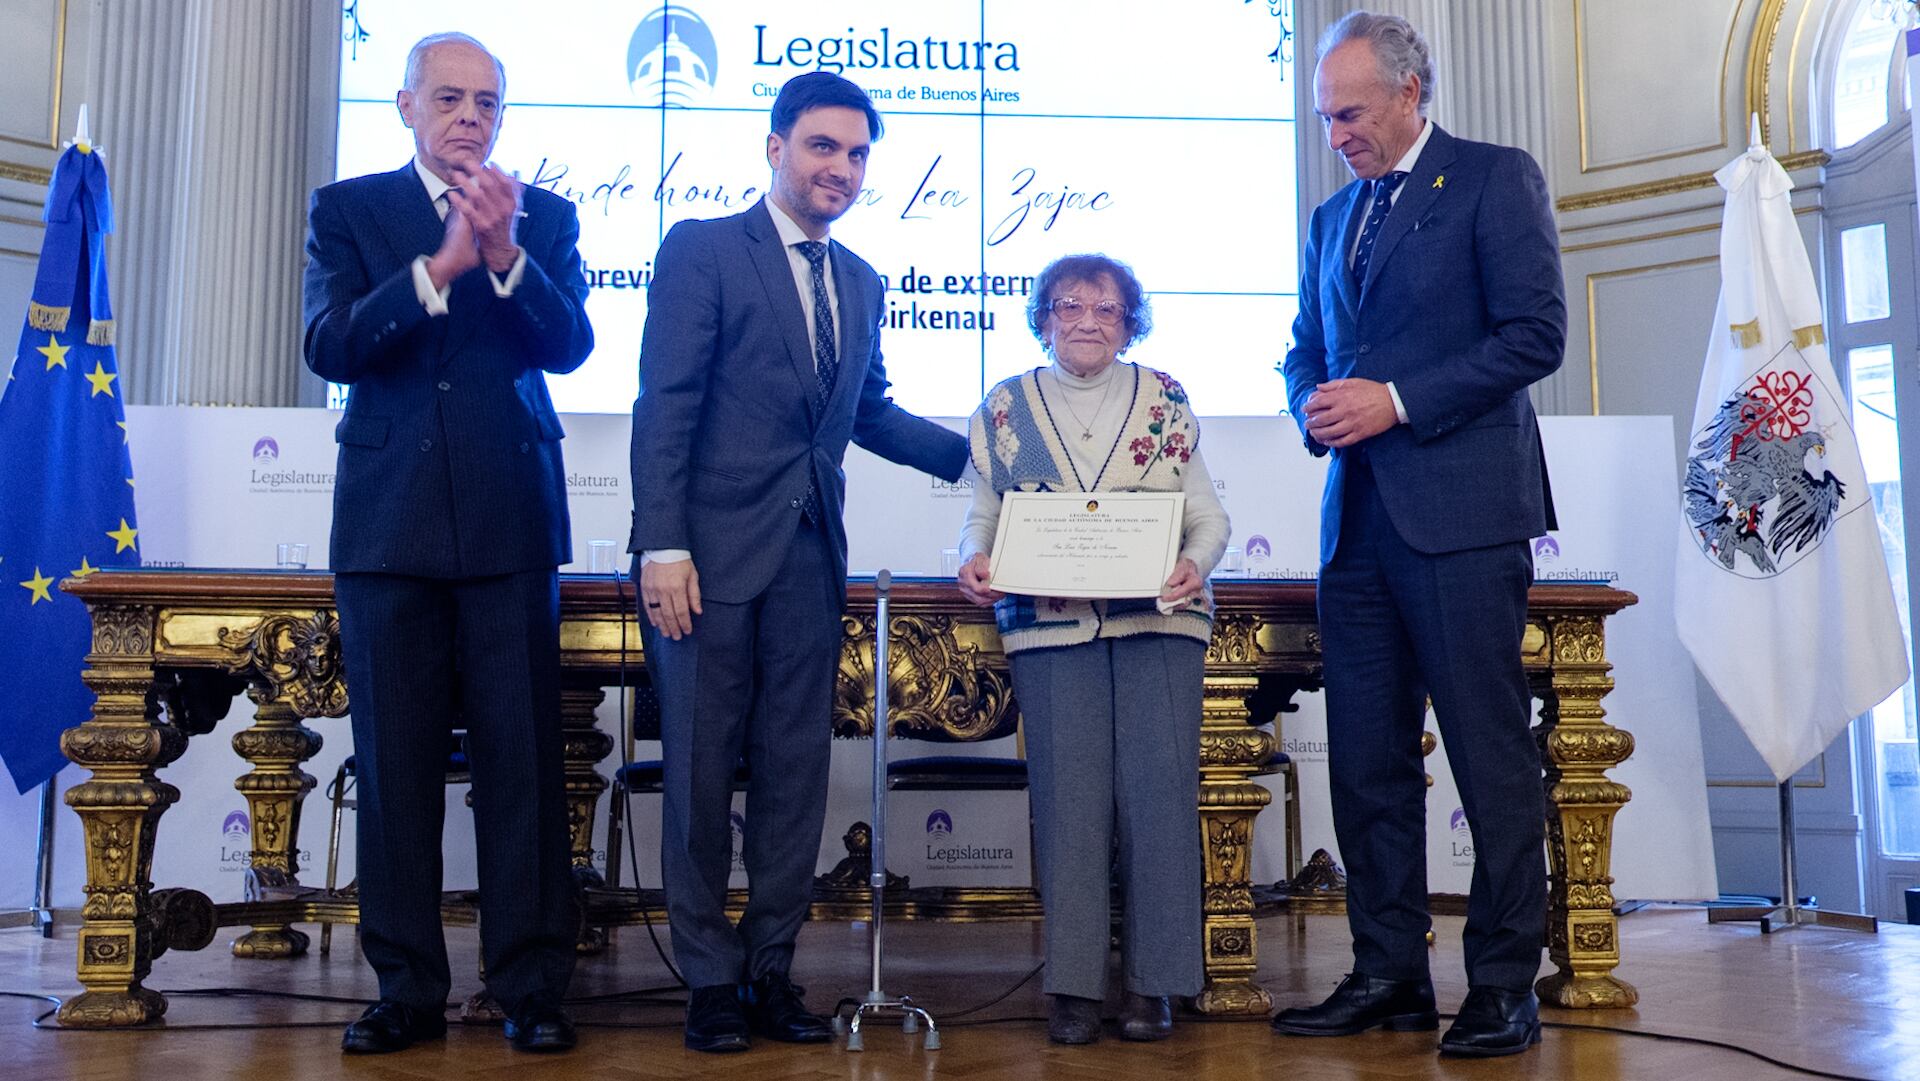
x: 1230, y: 751
x: 1577, y: 748
x: 585, y: 746
x: 276, y: 745
x: 291, y: 664
x: 119, y: 808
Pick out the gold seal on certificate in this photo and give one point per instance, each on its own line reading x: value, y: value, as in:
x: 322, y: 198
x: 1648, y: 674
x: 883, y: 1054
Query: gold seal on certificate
x: 1087, y: 544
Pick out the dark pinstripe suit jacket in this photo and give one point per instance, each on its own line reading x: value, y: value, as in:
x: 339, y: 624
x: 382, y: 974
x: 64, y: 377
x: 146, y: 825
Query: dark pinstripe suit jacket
x: 450, y: 461
x: 1462, y: 310
x: 727, y: 430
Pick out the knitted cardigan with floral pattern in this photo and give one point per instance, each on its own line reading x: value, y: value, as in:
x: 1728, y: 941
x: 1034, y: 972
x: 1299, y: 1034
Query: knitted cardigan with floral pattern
x: 1016, y: 447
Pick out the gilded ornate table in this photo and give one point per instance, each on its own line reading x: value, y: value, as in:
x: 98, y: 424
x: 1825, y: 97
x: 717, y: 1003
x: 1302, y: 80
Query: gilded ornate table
x: 172, y: 649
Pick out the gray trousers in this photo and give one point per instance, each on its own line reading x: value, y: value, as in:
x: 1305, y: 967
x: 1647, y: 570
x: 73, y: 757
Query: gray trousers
x: 1113, y: 748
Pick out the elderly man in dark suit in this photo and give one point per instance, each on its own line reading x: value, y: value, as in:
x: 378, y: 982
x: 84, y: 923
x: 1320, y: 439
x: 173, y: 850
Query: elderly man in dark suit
x: 759, y: 362
x: 1430, y: 299
x: 440, y: 293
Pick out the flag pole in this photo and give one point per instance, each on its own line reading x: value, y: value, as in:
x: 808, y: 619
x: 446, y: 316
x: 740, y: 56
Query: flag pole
x: 42, y: 911
x: 1777, y: 288
x: 1790, y: 913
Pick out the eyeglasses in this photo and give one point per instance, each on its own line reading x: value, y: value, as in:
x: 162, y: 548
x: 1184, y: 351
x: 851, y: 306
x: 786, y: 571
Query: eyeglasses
x: 1070, y: 310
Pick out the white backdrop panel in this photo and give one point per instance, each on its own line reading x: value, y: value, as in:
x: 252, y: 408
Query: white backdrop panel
x: 220, y: 487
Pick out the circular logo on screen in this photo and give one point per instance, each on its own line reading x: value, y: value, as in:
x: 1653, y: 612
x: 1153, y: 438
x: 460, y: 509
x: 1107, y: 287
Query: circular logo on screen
x: 672, y: 59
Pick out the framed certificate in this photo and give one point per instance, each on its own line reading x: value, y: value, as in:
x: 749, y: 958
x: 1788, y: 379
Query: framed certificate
x: 1087, y: 544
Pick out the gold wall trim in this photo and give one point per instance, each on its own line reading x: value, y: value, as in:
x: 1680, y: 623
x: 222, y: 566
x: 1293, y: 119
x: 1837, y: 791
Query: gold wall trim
x: 1646, y: 238
x: 35, y: 223
x: 1643, y: 239
x: 1766, y: 27
x: 29, y: 174
x: 1580, y: 93
x: 34, y: 255
x: 1593, y: 322
x: 1793, y: 71
x: 59, y: 76
x: 1673, y: 185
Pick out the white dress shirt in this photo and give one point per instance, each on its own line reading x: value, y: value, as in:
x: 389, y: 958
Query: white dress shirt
x: 1404, y: 165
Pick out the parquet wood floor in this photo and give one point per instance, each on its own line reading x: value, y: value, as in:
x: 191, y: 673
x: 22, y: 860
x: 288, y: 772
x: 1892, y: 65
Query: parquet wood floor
x: 1844, y: 1003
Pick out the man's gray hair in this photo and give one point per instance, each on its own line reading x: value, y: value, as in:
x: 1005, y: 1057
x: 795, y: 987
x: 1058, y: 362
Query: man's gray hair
x: 1397, y: 46
x: 417, y: 58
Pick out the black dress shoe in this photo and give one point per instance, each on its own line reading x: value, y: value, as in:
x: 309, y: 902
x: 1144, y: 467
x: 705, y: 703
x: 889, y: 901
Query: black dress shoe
x: 541, y: 1026
x: 776, y: 1011
x: 715, y: 1020
x: 391, y: 1026
x: 1362, y: 1002
x: 1073, y: 1020
x: 1145, y: 1017
x: 1493, y: 1022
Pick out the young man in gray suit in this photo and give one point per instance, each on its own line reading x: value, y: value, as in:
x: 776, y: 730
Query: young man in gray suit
x: 759, y: 363
x: 439, y: 293
x: 1430, y: 299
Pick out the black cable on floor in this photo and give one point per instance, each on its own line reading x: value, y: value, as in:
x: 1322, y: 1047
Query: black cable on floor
x: 626, y: 803
x: 1700, y: 1041
x: 954, y: 1019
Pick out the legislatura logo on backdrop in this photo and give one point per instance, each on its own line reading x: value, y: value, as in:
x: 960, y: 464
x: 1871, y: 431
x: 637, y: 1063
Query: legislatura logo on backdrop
x: 264, y: 476
x: 1462, y: 840
x: 737, y: 826
x: 1259, y: 549
x: 944, y: 848
x: 236, y: 841
x: 672, y: 58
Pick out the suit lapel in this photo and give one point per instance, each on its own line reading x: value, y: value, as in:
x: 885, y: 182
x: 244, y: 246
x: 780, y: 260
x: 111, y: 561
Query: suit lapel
x: 855, y: 338
x: 1421, y: 190
x: 1342, y: 271
x: 783, y: 296
x: 405, y: 216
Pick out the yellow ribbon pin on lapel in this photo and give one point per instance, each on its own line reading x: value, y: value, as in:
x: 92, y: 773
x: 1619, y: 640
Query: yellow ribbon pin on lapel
x: 1440, y: 181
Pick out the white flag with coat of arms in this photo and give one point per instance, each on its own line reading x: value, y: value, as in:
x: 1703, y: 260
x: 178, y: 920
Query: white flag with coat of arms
x: 1780, y: 583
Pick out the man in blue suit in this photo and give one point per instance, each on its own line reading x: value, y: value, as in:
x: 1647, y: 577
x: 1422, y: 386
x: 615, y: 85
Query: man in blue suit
x: 759, y: 363
x: 1430, y: 299
x: 440, y: 293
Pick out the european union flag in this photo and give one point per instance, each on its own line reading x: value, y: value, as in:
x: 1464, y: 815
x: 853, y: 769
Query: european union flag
x: 66, y: 479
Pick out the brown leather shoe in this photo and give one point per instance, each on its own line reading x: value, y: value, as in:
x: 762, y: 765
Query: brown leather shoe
x: 1073, y: 1020
x: 1145, y: 1017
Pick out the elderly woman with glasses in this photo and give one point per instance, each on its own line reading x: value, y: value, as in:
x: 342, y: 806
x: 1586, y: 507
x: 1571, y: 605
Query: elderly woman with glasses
x: 1109, y: 690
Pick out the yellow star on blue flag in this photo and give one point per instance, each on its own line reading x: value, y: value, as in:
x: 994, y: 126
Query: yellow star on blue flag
x: 64, y: 472
x: 55, y: 353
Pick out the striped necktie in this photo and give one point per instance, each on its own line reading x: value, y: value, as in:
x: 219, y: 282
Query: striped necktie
x: 1383, y: 189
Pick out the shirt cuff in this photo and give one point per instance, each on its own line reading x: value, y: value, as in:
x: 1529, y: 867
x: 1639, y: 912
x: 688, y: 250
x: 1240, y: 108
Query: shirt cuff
x: 1399, y: 407
x: 503, y: 288
x: 663, y: 555
x: 434, y: 300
